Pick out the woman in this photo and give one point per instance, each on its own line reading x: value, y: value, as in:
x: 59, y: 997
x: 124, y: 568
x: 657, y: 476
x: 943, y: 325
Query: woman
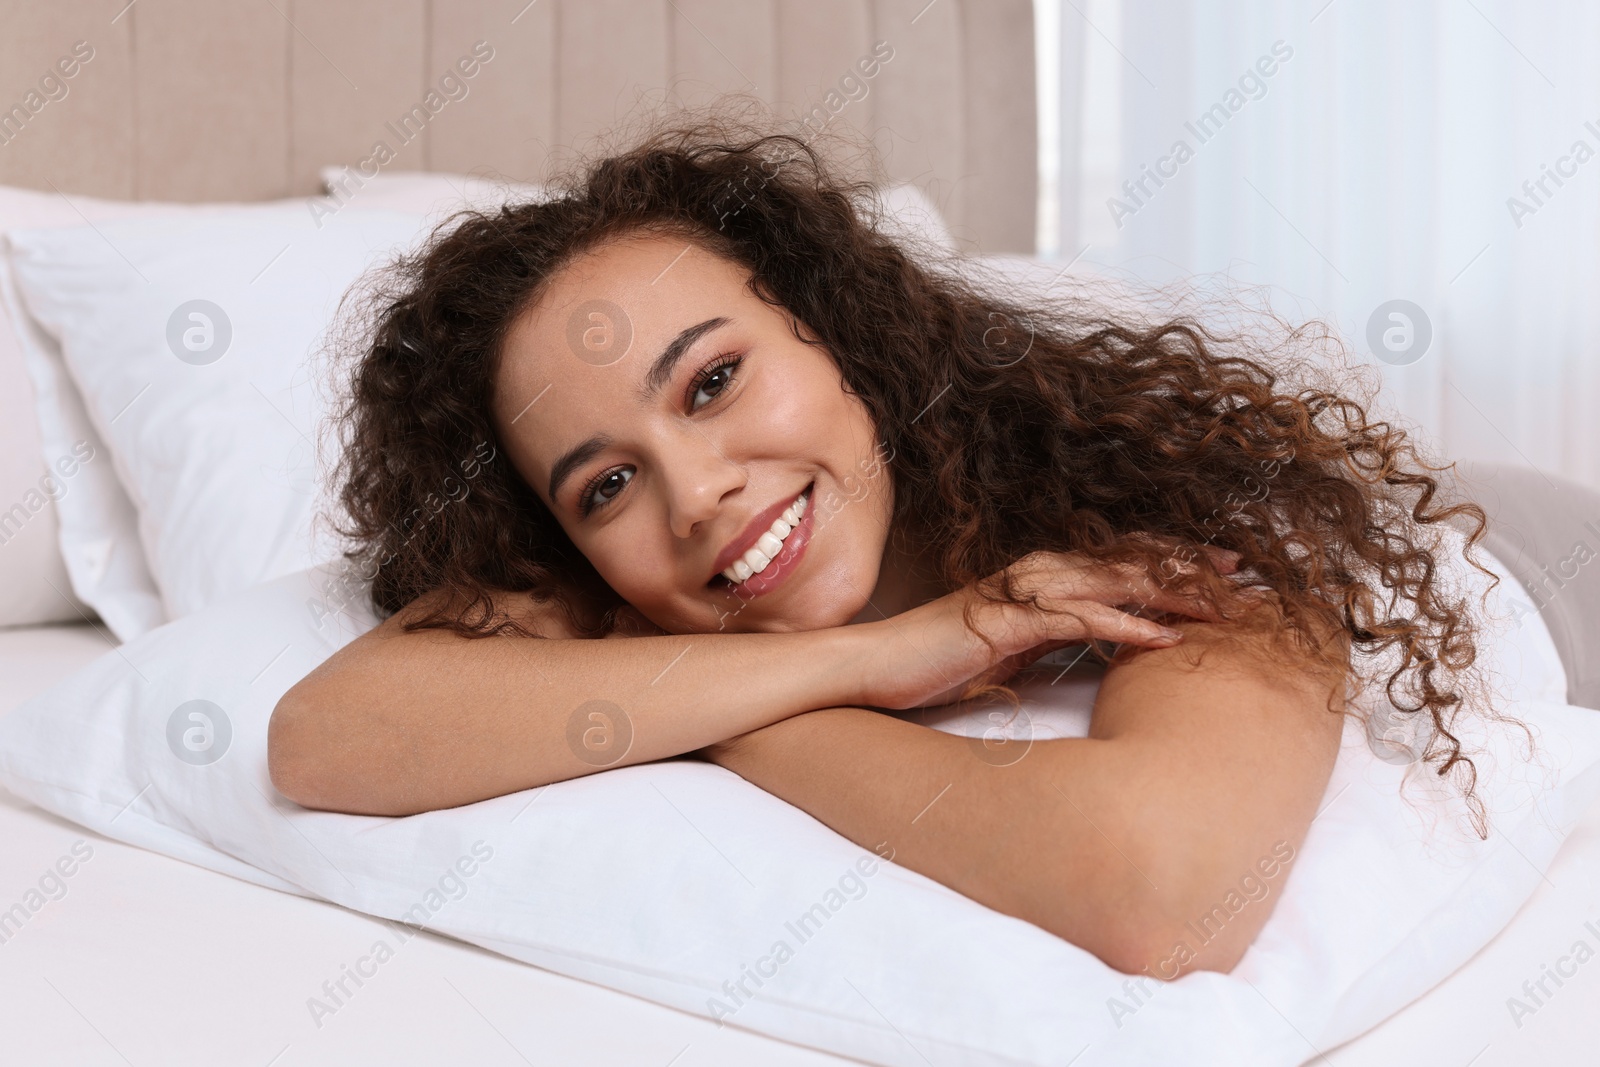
x: 697, y: 403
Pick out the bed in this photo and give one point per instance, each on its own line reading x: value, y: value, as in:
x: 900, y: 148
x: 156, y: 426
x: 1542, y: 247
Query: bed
x: 146, y: 959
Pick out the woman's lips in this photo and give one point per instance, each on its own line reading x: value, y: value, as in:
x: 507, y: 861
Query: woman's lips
x: 785, y: 562
x: 758, y: 525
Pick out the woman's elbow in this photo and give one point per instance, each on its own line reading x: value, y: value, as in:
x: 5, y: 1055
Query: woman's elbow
x: 303, y: 760
x: 1203, y: 928
x: 292, y: 756
x: 1166, y: 951
x: 1194, y: 916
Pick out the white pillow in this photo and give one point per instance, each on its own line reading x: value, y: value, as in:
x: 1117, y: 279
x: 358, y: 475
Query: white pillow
x: 68, y: 530
x: 425, y: 192
x: 214, y: 445
x: 910, y: 215
x: 676, y: 881
x: 906, y: 212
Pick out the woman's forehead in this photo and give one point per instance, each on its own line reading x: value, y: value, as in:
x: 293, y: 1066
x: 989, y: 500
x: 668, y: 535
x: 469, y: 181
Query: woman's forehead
x: 605, y: 305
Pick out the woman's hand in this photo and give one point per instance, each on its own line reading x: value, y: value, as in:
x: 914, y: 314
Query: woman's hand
x: 928, y: 656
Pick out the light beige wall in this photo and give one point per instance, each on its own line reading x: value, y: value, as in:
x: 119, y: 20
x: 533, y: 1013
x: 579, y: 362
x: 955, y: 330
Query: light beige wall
x: 223, y: 100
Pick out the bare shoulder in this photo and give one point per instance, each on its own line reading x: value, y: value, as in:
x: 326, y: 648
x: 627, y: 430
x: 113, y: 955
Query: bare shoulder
x: 1244, y: 673
x: 1260, y: 645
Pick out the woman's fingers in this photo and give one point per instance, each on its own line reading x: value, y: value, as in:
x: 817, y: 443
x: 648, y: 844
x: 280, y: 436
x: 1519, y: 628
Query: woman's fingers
x: 1131, y: 583
x: 1091, y: 620
x: 1122, y: 585
x: 1110, y: 596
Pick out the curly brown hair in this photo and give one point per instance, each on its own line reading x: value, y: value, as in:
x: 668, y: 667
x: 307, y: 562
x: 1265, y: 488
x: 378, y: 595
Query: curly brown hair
x: 1013, y: 425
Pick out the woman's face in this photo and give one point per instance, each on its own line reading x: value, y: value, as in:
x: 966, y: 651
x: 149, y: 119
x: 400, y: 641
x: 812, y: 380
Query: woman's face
x: 668, y: 417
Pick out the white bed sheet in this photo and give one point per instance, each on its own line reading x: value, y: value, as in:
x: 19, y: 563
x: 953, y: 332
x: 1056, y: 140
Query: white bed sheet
x: 147, y: 959
x: 150, y: 960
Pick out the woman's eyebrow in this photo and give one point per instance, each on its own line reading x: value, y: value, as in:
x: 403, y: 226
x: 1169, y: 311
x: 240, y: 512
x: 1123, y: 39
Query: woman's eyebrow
x: 660, y: 372
x: 572, y: 459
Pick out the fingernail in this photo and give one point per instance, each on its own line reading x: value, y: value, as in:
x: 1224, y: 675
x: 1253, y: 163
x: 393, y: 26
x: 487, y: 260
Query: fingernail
x: 1170, y: 635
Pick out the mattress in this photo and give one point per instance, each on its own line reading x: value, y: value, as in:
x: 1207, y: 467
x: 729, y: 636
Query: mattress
x: 140, y: 958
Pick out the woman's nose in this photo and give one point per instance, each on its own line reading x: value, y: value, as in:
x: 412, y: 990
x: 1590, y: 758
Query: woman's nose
x: 696, y: 486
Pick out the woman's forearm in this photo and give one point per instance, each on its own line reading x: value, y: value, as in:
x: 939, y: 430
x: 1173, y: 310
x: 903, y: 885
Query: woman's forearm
x: 1191, y: 788
x: 1001, y: 835
x: 401, y: 722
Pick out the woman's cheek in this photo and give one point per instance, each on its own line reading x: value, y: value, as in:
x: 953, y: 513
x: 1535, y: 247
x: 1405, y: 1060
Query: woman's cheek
x: 632, y: 570
x: 783, y: 411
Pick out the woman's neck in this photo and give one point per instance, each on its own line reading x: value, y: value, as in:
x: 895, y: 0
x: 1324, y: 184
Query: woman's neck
x: 904, y: 582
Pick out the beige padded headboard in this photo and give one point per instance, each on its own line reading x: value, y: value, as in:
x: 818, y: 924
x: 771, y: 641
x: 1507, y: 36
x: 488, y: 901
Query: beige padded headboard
x: 195, y: 100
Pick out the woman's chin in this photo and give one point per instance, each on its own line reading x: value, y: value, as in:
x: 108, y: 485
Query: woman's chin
x: 750, y: 623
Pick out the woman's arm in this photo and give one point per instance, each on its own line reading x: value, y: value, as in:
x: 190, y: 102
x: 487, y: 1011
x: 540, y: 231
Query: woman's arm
x: 400, y: 722
x: 1158, y: 842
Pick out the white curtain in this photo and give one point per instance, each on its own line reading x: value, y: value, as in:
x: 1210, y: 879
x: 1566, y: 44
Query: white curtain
x: 1349, y: 154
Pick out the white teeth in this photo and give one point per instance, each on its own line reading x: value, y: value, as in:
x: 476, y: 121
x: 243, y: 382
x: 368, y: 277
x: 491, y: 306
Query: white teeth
x: 768, y: 545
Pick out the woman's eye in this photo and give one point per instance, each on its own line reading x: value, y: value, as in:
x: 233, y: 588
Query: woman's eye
x: 714, y: 381
x: 595, y: 495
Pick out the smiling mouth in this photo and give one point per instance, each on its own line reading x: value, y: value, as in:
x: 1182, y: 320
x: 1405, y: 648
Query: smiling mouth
x: 786, y: 540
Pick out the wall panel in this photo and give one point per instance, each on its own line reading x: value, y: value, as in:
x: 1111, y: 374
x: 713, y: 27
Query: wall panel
x: 921, y: 106
x: 212, y: 101
x: 723, y: 46
x: 196, y: 100
x: 505, y: 124
x: 357, y: 76
x: 611, y: 56
x: 82, y: 142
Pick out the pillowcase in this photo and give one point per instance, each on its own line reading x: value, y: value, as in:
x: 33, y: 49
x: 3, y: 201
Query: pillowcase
x: 910, y: 216
x: 192, y: 341
x: 903, y: 210
x: 682, y: 883
x: 68, y: 527
x: 426, y: 192
x: 68, y: 530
